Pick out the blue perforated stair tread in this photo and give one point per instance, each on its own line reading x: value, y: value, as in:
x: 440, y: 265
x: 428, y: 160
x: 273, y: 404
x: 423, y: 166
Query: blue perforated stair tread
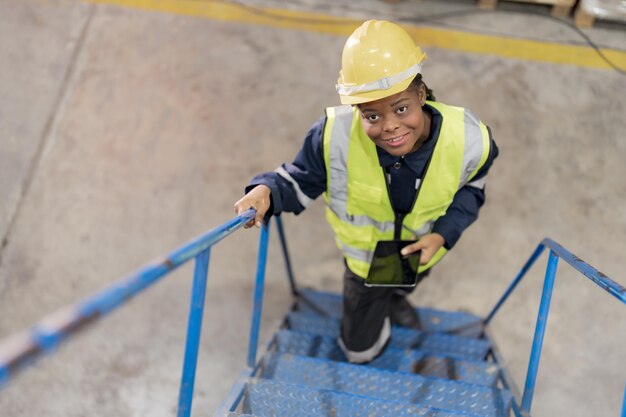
x: 405, y: 360
x: 401, y: 337
x: 267, y: 398
x: 458, y: 323
x: 386, y: 385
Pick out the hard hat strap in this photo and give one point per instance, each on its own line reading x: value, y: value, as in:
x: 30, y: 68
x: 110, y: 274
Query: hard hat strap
x: 381, y: 84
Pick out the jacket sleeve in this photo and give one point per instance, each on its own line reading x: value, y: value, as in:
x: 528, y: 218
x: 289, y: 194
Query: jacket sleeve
x: 466, y: 203
x: 295, y: 185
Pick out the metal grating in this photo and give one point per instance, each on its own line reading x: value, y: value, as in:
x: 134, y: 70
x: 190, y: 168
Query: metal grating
x: 401, y: 337
x: 387, y: 385
x: 266, y: 398
x: 411, y: 361
x: 457, y: 323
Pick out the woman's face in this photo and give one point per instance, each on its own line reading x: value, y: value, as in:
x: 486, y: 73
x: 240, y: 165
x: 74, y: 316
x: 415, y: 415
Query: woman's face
x: 397, y: 123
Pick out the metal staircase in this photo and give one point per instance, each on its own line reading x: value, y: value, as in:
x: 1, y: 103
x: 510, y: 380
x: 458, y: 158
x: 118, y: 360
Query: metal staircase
x: 450, y: 368
x: 427, y: 373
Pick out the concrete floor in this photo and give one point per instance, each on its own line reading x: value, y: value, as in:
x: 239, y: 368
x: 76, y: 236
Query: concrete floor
x: 126, y: 132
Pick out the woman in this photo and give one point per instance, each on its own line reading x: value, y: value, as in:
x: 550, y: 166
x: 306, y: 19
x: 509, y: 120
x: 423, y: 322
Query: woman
x: 392, y: 164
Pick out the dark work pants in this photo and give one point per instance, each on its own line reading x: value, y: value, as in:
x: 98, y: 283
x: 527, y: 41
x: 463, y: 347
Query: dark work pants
x: 365, y: 324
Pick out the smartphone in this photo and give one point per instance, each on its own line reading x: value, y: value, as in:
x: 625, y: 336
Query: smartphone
x: 390, y: 269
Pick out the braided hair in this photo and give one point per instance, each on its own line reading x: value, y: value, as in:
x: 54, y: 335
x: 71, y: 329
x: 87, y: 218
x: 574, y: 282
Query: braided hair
x: 417, y: 82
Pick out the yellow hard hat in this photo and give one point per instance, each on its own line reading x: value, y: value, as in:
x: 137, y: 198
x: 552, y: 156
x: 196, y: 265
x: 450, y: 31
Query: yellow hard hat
x: 379, y: 60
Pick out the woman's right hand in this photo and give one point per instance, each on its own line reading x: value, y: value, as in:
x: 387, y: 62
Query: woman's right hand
x: 257, y: 198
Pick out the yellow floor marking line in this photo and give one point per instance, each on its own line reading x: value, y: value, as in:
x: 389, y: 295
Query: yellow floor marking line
x: 550, y: 52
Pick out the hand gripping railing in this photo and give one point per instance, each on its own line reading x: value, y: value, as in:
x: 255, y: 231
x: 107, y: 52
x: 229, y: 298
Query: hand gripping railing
x: 45, y: 336
x: 556, y: 251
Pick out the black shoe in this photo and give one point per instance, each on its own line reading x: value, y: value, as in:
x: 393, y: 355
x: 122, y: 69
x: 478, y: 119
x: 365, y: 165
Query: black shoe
x: 403, y: 314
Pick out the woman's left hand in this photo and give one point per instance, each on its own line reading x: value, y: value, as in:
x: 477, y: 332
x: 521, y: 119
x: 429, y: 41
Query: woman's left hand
x: 429, y: 245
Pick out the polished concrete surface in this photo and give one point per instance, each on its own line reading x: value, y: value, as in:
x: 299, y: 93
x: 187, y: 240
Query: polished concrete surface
x: 127, y: 132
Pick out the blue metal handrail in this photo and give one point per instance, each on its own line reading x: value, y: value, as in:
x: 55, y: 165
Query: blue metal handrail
x: 259, y: 285
x: 283, y: 246
x: 556, y: 251
x: 44, y: 337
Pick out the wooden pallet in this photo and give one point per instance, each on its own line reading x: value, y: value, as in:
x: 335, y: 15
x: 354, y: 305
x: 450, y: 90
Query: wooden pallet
x: 560, y: 8
x: 585, y: 18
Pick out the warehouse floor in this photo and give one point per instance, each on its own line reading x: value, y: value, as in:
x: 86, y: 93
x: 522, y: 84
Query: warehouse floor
x: 127, y: 131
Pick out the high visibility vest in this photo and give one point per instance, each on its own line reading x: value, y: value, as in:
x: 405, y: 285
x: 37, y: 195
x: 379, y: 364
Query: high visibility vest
x: 358, y: 204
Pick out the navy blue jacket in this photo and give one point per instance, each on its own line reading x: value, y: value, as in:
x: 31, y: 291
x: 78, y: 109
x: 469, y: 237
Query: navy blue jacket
x: 308, y: 170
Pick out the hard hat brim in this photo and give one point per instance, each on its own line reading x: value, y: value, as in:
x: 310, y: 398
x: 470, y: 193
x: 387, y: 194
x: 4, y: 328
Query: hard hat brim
x: 377, y: 94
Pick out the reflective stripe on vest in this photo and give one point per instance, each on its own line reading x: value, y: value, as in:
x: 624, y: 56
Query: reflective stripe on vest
x: 359, y: 210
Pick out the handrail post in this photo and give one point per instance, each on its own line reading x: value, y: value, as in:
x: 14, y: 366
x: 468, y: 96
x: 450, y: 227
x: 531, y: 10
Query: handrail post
x: 518, y: 278
x: 283, y: 244
x: 194, y: 328
x: 259, y: 285
x: 540, y: 330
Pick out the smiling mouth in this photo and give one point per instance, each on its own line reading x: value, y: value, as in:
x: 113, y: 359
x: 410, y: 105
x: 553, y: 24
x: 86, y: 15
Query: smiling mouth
x: 394, y: 140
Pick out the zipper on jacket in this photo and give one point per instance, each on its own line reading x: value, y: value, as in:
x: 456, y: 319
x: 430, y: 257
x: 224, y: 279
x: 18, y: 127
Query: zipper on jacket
x: 399, y: 217
x: 397, y: 229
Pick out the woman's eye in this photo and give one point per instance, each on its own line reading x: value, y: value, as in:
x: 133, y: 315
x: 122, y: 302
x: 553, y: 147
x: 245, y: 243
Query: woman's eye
x: 402, y: 109
x: 372, y: 117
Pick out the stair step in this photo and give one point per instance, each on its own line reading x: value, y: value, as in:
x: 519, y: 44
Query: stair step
x: 267, y: 398
x: 406, y: 360
x: 401, y: 337
x: 386, y: 385
x: 457, y: 323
